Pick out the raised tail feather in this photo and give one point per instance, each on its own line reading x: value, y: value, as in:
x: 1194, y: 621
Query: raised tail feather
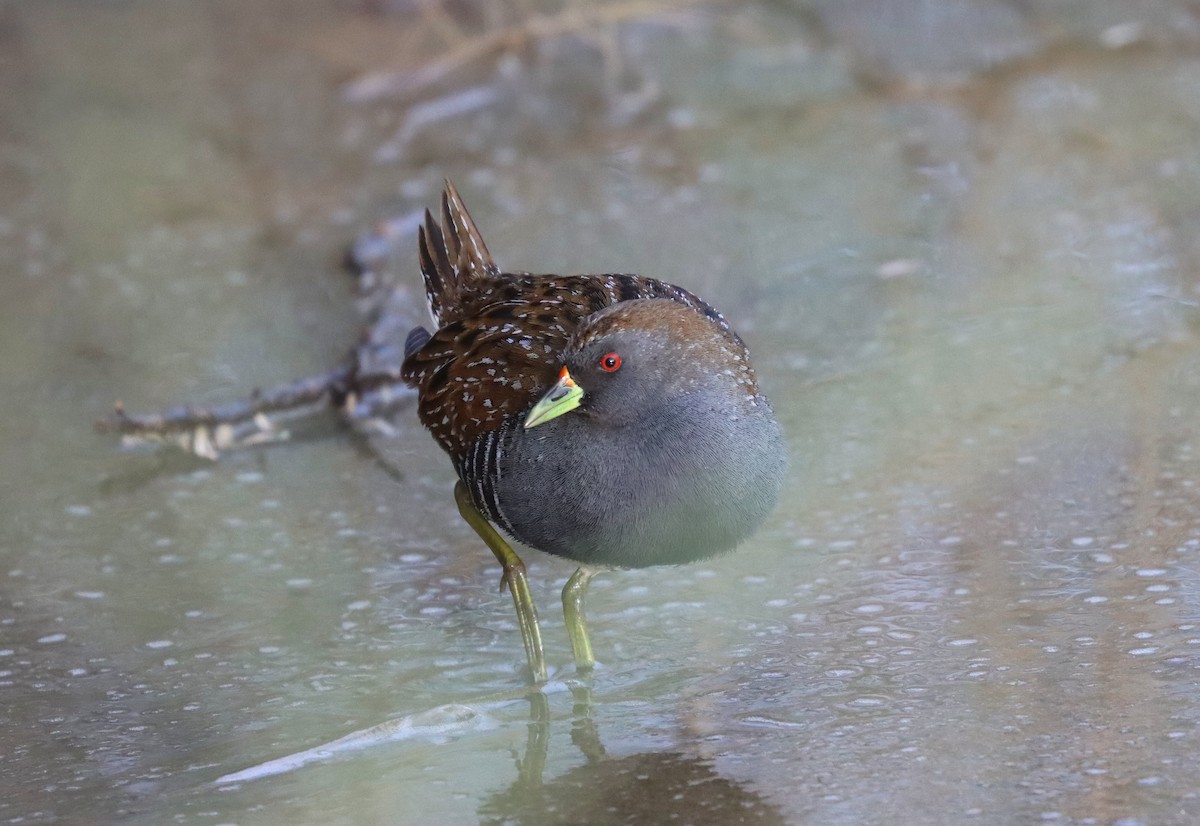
x: 453, y: 257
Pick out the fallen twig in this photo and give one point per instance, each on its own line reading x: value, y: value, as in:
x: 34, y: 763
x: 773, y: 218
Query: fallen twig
x: 575, y: 19
x: 365, y: 388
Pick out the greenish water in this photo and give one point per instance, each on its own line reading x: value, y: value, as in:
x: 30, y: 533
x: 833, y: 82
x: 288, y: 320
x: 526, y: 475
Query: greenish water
x: 959, y: 239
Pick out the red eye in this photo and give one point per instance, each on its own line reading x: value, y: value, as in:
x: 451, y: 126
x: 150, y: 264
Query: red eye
x: 610, y: 363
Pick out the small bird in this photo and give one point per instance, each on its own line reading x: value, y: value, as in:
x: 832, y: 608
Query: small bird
x: 614, y: 420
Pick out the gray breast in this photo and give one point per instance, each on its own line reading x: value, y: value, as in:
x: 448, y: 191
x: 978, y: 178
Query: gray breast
x: 688, y: 483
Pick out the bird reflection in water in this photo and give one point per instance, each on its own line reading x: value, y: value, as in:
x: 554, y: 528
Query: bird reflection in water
x: 649, y: 787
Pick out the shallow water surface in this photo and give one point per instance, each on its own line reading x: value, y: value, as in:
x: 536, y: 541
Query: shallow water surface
x: 967, y: 272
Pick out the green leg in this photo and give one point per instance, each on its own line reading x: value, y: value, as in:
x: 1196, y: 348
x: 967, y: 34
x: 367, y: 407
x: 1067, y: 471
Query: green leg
x: 513, y: 577
x: 572, y: 599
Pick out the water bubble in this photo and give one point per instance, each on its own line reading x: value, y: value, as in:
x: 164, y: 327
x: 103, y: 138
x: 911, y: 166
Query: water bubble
x: 867, y: 702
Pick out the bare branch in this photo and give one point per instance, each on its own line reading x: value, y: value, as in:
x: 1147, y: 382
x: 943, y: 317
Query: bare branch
x: 364, y: 389
x: 576, y: 19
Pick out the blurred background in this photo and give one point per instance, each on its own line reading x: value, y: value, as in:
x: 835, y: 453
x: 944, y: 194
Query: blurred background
x: 961, y: 239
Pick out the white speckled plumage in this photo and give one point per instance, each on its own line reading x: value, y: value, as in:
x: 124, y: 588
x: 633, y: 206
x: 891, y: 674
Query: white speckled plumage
x: 677, y: 458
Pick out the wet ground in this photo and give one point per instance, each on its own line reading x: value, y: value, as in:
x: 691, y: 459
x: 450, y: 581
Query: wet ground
x: 961, y: 240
